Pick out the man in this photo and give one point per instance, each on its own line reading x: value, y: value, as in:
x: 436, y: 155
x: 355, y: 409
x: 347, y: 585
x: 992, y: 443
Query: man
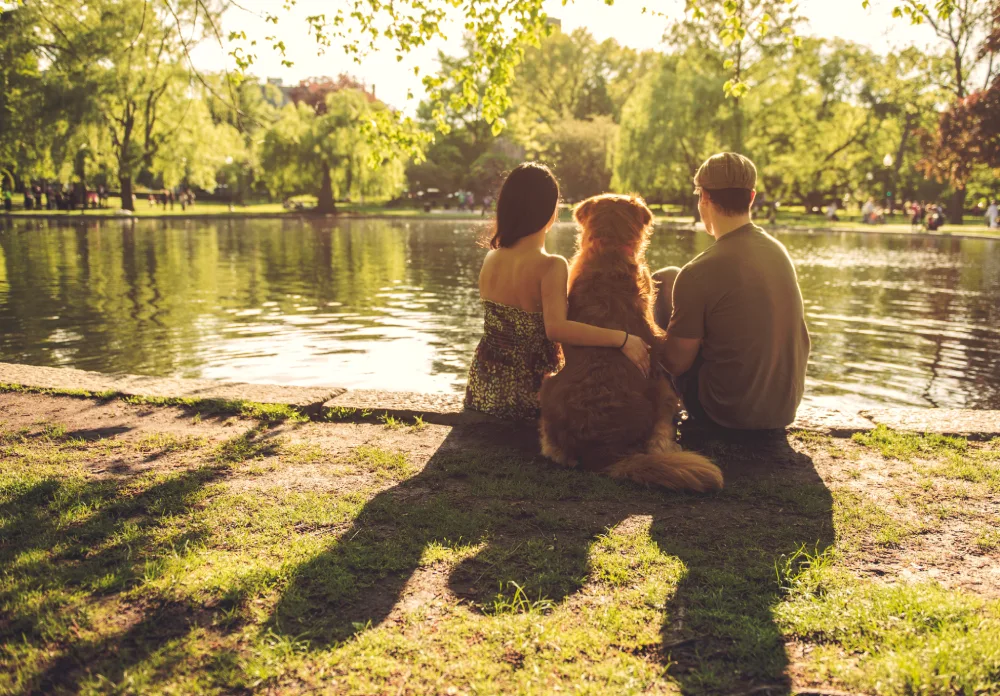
x: 868, y: 212
x: 992, y: 215
x: 831, y: 212
x: 737, y: 340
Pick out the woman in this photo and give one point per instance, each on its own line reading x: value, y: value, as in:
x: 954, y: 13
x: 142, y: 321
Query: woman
x: 523, y: 290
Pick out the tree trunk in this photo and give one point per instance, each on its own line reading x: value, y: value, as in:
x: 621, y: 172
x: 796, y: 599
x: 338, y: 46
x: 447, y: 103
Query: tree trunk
x: 126, y: 187
x: 956, y: 207
x: 738, y: 122
x: 326, y: 204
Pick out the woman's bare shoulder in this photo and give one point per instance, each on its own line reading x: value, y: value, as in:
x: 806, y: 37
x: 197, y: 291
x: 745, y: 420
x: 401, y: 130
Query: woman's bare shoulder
x: 554, y: 269
x: 555, y: 262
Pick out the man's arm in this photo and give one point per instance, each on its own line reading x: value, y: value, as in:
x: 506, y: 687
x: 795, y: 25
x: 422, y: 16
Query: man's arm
x: 678, y: 354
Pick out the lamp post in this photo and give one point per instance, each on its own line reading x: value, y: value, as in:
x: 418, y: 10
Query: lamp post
x: 81, y: 172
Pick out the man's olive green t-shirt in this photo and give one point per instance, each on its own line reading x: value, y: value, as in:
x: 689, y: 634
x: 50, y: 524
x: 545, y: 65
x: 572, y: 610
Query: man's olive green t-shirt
x: 741, y: 297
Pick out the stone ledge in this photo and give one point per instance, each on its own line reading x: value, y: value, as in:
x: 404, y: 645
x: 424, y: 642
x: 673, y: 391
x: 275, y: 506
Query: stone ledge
x: 307, y: 399
x: 447, y: 409
x: 830, y: 422
x: 942, y: 421
x: 440, y: 409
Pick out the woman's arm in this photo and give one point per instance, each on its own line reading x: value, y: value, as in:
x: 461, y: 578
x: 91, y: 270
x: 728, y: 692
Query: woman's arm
x: 561, y: 330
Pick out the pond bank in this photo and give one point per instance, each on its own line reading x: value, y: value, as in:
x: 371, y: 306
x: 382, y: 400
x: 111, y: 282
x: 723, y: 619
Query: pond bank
x: 954, y: 231
x: 337, y: 403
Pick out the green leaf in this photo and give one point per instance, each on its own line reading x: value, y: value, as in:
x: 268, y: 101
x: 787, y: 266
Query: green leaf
x: 498, y: 126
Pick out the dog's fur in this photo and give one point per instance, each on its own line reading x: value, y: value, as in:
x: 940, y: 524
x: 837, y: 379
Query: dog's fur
x: 599, y: 413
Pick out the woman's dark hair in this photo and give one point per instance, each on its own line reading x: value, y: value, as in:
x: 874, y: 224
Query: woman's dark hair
x: 527, y: 200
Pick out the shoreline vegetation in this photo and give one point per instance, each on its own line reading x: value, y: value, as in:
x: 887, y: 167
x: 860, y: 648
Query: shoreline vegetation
x: 789, y: 220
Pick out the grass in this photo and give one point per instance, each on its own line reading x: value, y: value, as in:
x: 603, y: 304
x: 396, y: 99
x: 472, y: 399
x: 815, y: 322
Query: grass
x: 483, y: 570
x: 265, y: 413
x: 247, y: 446
x: 939, y: 456
x: 903, y: 638
x: 791, y: 217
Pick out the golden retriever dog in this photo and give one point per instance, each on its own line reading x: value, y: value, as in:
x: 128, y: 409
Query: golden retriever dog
x: 599, y: 413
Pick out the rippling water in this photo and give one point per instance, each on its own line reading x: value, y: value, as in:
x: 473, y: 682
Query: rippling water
x: 393, y: 305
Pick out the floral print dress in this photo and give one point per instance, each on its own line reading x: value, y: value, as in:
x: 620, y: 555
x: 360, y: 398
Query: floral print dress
x: 511, y: 360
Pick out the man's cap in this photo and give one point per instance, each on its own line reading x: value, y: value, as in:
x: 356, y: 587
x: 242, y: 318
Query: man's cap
x: 726, y: 170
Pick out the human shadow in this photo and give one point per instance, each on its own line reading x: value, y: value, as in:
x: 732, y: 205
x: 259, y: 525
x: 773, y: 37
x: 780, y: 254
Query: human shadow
x: 525, y: 529
x: 719, y: 633
x: 109, y: 551
x: 484, y: 492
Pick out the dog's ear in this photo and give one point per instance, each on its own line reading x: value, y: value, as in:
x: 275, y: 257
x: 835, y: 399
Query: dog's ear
x: 584, y: 210
x: 645, y: 214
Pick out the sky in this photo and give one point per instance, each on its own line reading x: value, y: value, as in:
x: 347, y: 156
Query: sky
x: 624, y: 22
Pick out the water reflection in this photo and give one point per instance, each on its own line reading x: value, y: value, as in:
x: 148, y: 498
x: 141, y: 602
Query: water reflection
x: 393, y: 305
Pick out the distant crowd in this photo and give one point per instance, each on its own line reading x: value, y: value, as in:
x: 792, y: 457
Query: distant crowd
x: 185, y: 198
x: 58, y: 197
x: 923, y: 215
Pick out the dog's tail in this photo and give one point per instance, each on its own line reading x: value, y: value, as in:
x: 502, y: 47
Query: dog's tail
x: 678, y: 471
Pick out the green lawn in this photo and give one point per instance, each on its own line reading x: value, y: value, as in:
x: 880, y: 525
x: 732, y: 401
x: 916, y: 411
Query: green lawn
x: 143, y: 209
x: 171, y: 551
x: 791, y: 218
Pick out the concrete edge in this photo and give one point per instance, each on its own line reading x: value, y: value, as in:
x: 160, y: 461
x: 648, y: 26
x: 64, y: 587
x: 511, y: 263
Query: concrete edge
x: 337, y: 403
x: 73, y: 382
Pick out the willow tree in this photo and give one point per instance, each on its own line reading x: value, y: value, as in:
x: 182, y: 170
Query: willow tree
x: 662, y: 141
x: 130, y: 61
x: 326, y: 150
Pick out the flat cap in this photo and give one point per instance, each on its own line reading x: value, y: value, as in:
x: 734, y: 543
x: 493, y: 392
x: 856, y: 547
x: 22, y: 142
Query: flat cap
x: 726, y: 170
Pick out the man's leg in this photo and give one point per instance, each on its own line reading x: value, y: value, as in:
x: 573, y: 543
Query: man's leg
x: 663, y: 306
x: 687, y: 385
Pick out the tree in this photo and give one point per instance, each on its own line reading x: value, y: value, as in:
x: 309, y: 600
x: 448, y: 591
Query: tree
x: 675, y: 119
x: 748, y: 38
x: 581, y: 154
x: 500, y: 31
x: 968, y: 133
x: 197, y: 149
x: 829, y: 115
x: 125, y: 56
x: 966, y: 32
x: 574, y: 76
x: 326, y: 151
x: 448, y: 162
x: 22, y: 91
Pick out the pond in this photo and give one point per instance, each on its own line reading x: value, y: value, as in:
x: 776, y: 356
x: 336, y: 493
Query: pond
x: 387, y: 304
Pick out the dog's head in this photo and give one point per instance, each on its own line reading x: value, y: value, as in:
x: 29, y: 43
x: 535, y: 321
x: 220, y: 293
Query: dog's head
x: 614, y: 222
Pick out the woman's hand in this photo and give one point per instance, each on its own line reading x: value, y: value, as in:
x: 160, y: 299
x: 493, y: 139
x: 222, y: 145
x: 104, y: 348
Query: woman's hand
x: 636, y: 350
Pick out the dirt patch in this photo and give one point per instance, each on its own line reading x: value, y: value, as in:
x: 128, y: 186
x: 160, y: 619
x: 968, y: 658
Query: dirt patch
x: 138, y: 438
x: 941, y: 523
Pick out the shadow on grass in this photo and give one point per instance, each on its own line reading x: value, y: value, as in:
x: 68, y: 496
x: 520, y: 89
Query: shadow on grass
x: 98, y: 537
x: 485, y: 494
x: 517, y: 519
x: 719, y: 633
